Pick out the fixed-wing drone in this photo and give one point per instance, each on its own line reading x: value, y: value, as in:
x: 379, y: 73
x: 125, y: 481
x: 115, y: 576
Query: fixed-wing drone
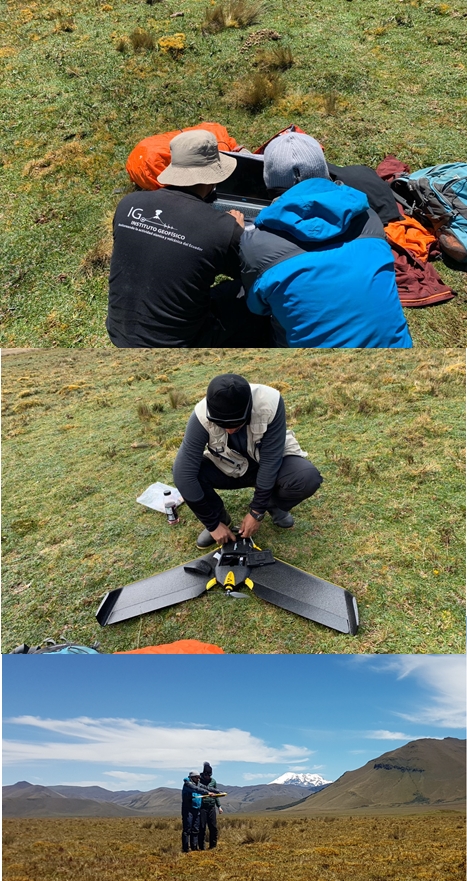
x: 235, y: 565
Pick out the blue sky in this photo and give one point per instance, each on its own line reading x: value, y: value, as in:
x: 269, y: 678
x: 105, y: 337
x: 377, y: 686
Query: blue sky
x: 127, y: 722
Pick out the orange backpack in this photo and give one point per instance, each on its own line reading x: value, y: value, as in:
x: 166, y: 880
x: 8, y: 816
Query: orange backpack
x: 152, y: 155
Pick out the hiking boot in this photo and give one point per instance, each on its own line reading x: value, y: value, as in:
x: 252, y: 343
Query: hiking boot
x: 205, y: 539
x: 281, y: 518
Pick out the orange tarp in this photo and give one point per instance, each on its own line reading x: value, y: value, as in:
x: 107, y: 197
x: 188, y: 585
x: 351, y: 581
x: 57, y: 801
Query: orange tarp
x: 180, y: 647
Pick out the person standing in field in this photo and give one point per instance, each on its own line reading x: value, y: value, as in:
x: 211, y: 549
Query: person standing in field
x: 192, y: 799
x: 208, y: 815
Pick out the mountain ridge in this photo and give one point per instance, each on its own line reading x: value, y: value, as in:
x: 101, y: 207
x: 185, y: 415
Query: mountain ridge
x: 423, y: 774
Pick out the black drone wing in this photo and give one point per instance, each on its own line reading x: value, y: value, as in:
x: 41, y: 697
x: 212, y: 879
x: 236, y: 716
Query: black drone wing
x: 157, y: 592
x: 306, y: 595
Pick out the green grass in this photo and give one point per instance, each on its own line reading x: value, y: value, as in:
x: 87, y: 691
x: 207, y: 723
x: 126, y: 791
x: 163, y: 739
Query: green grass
x: 367, y: 78
x: 85, y: 432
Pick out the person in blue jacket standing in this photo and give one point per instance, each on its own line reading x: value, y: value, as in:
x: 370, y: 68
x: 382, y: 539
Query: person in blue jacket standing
x: 317, y: 260
x: 192, y: 799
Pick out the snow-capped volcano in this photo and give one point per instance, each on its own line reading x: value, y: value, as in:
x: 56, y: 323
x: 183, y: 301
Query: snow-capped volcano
x: 310, y: 781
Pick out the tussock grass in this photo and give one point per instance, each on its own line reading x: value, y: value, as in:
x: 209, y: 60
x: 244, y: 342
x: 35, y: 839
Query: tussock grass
x: 255, y: 835
x: 278, y: 58
x: 388, y: 522
x: 257, y: 91
x: 177, y: 399
x: 141, y: 40
x: 144, y: 413
x: 233, y: 14
x: 215, y: 19
x: 364, y: 848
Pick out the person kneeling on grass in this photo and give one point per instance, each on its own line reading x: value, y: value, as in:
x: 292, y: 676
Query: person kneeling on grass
x: 192, y: 793
x: 317, y: 260
x: 169, y: 246
x: 237, y: 437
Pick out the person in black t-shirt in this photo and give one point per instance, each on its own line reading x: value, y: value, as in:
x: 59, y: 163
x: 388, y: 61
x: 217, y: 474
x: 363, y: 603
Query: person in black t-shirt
x: 169, y: 246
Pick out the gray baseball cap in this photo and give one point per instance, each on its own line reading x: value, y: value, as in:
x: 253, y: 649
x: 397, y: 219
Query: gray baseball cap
x: 196, y: 160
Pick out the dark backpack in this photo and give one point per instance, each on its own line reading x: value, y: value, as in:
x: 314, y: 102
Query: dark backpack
x: 438, y: 196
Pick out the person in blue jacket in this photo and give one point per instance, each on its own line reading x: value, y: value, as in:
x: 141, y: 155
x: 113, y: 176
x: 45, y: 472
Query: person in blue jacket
x: 192, y: 793
x: 317, y: 260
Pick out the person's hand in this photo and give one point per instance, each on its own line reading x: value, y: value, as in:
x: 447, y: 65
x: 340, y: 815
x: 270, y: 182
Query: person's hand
x: 239, y: 217
x: 223, y: 534
x: 249, y: 526
x: 221, y: 811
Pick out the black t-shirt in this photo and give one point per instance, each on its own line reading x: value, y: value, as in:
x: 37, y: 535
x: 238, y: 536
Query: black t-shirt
x: 169, y: 246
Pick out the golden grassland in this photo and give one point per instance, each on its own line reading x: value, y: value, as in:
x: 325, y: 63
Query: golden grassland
x: 428, y: 847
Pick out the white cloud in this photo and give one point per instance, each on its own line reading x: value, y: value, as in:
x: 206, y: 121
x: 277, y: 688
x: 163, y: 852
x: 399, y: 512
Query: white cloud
x: 443, y: 678
x: 390, y: 735
x: 128, y: 776
x: 259, y: 776
x: 132, y: 743
x: 110, y: 785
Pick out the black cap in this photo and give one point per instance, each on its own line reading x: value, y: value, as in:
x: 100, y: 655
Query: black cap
x: 229, y: 400
x: 207, y: 770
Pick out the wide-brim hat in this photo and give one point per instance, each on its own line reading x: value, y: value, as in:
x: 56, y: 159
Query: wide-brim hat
x: 196, y: 160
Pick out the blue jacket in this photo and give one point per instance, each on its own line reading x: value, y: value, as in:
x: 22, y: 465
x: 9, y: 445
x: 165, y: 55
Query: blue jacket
x: 191, y: 793
x: 319, y: 263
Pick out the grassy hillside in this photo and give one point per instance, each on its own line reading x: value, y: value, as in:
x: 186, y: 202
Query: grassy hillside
x: 428, y: 772
x: 85, y: 82
x: 85, y: 432
x: 416, y: 848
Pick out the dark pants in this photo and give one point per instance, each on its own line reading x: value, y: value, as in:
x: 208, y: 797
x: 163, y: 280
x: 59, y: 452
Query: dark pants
x: 298, y: 479
x: 208, y: 817
x: 190, y: 821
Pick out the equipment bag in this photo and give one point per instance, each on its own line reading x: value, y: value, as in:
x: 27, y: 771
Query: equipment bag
x: 67, y: 648
x: 438, y: 195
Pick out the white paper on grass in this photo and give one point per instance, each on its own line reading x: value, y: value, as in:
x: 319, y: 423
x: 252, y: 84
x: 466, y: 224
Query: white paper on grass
x: 153, y: 496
